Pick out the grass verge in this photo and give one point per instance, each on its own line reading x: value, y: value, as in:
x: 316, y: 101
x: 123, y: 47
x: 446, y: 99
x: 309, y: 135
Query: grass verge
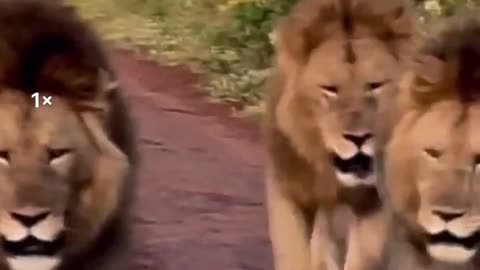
x: 180, y: 35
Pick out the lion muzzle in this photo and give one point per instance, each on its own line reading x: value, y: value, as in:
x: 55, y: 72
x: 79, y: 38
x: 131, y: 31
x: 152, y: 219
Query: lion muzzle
x: 354, y: 165
x: 32, y: 238
x: 451, y: 236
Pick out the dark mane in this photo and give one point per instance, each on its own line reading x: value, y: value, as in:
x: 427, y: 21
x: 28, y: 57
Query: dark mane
x: 45, y: 46
x: 458, y: 45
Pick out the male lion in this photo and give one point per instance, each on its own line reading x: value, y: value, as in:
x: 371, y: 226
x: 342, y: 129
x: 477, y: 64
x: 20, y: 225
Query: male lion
x: 65, y: 169
x: 337, y: 66
x: 432, y: 160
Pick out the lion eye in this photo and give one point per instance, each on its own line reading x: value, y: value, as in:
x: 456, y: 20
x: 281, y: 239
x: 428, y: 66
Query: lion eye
x: 5, y: 156
x: 375, y: 85
x: 433, y: 153
x: 54, y: 154
x: 330, y: 89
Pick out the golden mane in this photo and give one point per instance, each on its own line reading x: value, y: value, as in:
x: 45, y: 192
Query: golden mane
x: 336, y: 71
x: 312, y: 21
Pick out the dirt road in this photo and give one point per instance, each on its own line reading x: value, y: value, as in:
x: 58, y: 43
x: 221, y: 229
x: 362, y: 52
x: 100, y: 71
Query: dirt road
x: 200, y: 199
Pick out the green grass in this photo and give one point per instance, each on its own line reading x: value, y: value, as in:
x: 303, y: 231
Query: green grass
x: 187, y: 32
x: 127, y: 29
x: 230, y: 48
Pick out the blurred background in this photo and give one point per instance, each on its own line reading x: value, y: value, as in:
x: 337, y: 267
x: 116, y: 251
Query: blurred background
x: 228, y: 41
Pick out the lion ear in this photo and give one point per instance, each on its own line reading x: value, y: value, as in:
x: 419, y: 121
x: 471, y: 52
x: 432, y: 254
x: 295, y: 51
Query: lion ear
x: 297, y: 34
x: 99, y: 102
x: 430, y: 79
x: 429, y: 70
x: 111, y: 169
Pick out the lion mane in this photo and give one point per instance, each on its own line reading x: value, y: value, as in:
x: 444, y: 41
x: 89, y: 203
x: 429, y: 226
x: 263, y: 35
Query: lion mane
x: 433, y: 151
x: 45, y: 47
x: 313, y: 119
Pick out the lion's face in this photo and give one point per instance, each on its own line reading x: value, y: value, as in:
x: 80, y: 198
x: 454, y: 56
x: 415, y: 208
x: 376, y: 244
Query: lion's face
x: 433, y: 176
x: 53, y: 198
x: 347, y: 90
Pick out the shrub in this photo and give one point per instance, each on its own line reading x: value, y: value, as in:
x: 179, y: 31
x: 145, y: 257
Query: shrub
x: 231, y: 39
x: 243, y: 48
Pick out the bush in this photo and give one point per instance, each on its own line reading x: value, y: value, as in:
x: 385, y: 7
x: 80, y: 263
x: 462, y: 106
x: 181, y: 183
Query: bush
x: 248, y: 34
x: 243, y: 49
x: 230, y: 41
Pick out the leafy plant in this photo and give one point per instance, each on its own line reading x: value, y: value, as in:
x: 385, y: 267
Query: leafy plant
x: 227, y: 40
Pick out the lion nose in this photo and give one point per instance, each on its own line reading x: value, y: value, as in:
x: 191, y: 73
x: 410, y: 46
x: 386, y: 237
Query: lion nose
x: 358, y: 139
x: 30, y: 218
x: 448, y: 215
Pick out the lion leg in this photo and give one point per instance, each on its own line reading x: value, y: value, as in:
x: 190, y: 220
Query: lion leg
x: 325, y: 252
x: 288, y: 230
x: 366, y: 242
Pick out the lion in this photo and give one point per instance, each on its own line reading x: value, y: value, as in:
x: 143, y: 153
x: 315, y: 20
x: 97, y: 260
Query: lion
x: 433, y: 156
x: 336, y: 71
x: 66, y: 169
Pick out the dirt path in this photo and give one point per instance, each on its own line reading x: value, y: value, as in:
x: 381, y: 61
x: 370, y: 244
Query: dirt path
x: 200, y: 200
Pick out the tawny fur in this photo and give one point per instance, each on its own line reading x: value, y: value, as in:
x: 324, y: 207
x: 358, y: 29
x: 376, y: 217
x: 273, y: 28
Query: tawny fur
x: 324, y: 45
x: 45, y: 47
x: 431, y: 165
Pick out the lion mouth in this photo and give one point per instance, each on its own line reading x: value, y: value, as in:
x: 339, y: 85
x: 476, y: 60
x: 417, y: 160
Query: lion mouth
x: 447, y: 238
x: 360, y: 165
x: 32, y: 246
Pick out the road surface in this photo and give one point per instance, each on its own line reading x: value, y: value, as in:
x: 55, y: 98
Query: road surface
x: 200, y: 198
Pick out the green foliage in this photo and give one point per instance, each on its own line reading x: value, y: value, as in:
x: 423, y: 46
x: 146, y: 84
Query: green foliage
x: 249, y: 30
x: 432, y: 10
x: 229, y: 41
x: 247, y: 40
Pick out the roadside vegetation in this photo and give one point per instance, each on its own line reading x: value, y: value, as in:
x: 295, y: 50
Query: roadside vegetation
x: 229, y: 41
